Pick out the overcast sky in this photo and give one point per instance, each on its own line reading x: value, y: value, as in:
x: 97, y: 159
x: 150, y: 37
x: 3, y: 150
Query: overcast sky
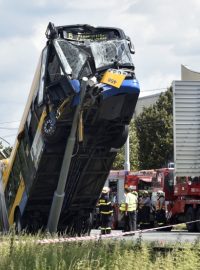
x: 165, y: 33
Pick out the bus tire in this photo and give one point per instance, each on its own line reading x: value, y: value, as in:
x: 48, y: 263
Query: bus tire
x: 50, y: 131
x: 190, y: 216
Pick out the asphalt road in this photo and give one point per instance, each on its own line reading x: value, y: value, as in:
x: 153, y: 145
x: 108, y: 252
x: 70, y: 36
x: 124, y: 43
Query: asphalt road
x: 162, y: 237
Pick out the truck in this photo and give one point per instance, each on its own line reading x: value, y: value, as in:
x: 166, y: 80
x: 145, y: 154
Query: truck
x: 184, y: 200
x: 81, y: 102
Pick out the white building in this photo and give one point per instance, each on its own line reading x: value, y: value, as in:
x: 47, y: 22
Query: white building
x: 145, y: 101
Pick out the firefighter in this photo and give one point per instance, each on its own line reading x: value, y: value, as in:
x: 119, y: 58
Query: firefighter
x: 160, y: 207
x: 145, y: 207
x: 106, y: 211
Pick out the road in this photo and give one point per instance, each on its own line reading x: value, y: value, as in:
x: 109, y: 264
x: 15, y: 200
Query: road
x: 163, y: 237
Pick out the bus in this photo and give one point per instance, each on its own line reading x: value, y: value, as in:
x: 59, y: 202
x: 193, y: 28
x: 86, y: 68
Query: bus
x: 79, y: 107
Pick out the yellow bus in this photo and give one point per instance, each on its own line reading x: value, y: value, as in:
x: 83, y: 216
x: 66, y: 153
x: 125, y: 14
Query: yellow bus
x: 29, y: 182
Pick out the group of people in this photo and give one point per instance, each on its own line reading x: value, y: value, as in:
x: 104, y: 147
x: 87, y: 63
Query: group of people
x: 135, y: 209
x: 151, y: 210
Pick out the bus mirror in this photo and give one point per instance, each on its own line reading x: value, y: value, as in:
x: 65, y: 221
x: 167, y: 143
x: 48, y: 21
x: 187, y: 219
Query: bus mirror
x: 130, y: 45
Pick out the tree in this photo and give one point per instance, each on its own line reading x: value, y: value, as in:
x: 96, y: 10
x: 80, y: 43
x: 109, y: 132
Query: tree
x: 119, y: 161
x: 154, y: 128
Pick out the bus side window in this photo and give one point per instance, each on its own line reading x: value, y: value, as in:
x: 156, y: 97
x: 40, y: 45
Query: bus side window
x: 42, y: 77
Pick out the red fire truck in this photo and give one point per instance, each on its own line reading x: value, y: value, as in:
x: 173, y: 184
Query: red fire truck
x: 185, y: 202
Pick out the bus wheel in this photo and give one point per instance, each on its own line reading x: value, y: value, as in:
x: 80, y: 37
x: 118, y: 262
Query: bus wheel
x: 190, y: 216
x: 50, y: 130
x: 18, y: 221
x: 198, y: 218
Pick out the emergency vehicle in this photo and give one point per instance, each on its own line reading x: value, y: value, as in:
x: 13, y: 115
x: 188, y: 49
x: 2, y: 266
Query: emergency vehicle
x: 185, y: 205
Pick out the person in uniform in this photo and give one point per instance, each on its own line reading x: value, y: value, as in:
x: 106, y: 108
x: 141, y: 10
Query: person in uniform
x: 160, y: 207
x: 145, y: 206
x: 106, y: 211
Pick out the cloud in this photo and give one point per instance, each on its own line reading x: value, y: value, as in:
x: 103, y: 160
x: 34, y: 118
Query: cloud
x: 165, y: 34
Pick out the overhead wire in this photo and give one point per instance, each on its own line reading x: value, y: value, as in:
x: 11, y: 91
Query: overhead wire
x: 9, y: 128
x: 9, y: 135
x: 9, y: 122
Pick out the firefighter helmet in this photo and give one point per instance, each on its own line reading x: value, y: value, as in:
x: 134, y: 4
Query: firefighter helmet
x: 105, y: 190
x: 145, y: 193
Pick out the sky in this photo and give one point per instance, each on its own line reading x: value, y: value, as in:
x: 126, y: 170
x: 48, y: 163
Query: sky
x: 165, y: 34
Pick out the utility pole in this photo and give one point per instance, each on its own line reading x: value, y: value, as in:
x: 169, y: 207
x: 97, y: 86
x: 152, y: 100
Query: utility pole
x: 127, y: 155
x: 59, y: 194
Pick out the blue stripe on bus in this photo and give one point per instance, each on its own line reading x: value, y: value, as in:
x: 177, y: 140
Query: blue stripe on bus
x: 128, y: 87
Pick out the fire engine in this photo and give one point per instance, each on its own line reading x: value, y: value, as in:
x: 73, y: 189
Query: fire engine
x: 185, y: 202
x: 182, y: 197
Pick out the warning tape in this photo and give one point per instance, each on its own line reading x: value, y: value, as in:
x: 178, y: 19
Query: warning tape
x: 105, y: 236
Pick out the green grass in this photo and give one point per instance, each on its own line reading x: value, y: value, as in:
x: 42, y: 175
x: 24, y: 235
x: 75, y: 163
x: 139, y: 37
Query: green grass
x: 23, y: 252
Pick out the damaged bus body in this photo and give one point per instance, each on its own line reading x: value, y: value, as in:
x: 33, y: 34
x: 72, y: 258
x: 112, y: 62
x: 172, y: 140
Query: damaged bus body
x: 76, y: 59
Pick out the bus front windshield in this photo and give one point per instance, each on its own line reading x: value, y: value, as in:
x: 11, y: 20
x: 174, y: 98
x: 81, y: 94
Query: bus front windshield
x: 107, y: 53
